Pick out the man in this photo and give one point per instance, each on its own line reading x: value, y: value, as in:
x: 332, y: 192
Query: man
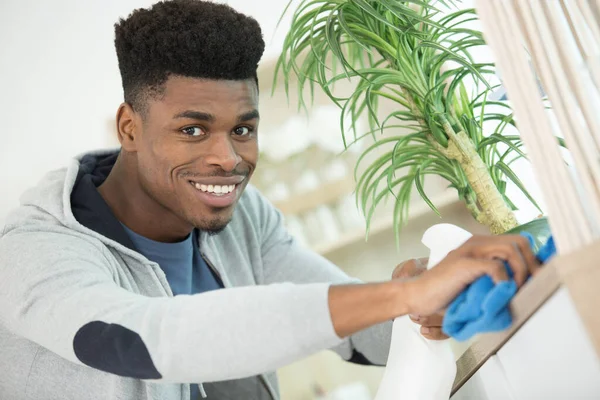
x: 157, y: 272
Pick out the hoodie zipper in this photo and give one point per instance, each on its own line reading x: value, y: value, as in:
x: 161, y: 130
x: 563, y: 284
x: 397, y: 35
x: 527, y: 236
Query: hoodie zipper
x: 261, y: 378
x: 212, y: 268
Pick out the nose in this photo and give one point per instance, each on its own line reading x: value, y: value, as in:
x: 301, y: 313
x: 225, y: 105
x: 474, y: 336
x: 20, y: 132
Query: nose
x: 221, y: 153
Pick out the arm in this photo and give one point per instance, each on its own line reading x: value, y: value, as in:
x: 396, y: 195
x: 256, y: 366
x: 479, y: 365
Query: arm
x: 299, y: 265
x: 59, y: 291
x: 284, y: 260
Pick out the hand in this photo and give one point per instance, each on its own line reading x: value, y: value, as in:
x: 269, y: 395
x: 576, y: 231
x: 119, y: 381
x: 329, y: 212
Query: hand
x: 433, y: 290
x: 410, y: 268
x: 431, y: 326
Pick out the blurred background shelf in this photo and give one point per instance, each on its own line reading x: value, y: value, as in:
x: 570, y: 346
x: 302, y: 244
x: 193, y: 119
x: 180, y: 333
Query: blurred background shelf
x: 325, y: 194
x: 385, y: 224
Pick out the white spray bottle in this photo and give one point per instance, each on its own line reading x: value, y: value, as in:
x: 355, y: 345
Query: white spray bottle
x: 419, y: 368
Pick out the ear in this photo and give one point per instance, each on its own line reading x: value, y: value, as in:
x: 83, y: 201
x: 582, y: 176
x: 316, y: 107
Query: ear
x: 129, y: 124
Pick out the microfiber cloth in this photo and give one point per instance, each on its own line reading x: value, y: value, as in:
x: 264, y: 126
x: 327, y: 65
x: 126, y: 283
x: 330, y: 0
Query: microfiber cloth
x: 484, y: 306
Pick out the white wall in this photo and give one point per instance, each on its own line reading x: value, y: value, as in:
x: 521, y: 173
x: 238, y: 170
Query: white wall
x: 60, y: 81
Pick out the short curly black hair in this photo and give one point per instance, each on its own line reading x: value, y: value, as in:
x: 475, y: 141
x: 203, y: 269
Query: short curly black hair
x: 190, y: 38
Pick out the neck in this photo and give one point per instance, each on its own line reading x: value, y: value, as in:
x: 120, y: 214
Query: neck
x: 134, y: 207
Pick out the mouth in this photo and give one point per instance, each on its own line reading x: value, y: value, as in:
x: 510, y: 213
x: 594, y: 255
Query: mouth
x: 216, y: 195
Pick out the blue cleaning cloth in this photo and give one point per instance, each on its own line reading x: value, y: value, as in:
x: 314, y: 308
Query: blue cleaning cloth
x: 483, y: 305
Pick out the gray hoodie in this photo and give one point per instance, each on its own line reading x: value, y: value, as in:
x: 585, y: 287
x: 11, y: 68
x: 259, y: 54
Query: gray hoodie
x: 84, y: 317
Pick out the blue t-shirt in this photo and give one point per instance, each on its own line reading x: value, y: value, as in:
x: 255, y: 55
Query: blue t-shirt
x: 186, y: 271
x: 182, y: 263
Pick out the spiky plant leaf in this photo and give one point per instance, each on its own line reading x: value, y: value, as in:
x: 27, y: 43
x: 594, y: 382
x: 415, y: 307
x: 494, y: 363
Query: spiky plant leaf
x: 415, y: 54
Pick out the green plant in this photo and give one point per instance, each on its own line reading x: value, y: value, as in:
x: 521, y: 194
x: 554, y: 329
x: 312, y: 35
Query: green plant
x: 415, y: 54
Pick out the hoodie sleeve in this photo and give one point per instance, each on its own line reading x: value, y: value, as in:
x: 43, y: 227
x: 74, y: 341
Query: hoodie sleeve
x: 284, y: 260
x: 61, y: 292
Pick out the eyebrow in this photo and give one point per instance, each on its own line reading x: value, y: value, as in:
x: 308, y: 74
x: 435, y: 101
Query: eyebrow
x: 249, y: 116
x: 202, y: 116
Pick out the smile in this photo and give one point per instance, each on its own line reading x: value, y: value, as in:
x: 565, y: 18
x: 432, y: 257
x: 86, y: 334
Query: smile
x: 217, y: 194
x: 217, y: 190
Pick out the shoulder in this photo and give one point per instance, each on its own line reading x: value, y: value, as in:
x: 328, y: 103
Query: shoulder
x: 256, y: 209
x: 48, y: 246
x: 254, y: 220
x: 254, y: 200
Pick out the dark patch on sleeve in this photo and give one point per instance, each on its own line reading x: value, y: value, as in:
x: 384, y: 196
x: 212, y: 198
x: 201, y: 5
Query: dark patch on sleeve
x: 114, y: 349
x: 359, y: 358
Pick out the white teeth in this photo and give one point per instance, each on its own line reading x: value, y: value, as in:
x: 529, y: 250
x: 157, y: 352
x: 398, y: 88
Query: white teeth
x: 216, y: 189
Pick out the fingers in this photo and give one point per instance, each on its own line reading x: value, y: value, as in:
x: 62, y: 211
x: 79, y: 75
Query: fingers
x: 514, y: 249
x: 434, y: 289
x: 434, y: 320
x: 530, y: 259
x: 521, y: 259
x: 431, y: 326
x: 410, y: 268
x: 432, y: 333
x: 495, y: 269
x: 472, y: 268
x: 511, y: 253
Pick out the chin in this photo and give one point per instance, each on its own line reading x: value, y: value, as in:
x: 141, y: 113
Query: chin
x: 213, y: 231
x: 212, y: 226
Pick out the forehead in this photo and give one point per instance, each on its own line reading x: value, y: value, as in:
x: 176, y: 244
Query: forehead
x: 205, y: 94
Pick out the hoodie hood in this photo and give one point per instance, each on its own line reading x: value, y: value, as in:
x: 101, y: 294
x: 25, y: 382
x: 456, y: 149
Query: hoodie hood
x: 67, y: 198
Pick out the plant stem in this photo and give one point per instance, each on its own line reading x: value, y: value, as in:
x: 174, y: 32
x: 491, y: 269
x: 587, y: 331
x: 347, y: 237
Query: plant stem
x: 493, y: 210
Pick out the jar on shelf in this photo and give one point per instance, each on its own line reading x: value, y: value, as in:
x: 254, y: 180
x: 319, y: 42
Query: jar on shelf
x: 348, y: 214
x: 320, y: 223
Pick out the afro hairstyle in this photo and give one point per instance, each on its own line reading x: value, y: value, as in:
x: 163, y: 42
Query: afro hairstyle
x: 190, y: 38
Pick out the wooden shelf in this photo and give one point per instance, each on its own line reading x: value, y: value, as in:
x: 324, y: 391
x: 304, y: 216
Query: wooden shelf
x: 418, y: 210
x: 326, y: 194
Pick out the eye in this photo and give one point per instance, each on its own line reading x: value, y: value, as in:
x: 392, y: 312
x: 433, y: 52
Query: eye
x: 242, y: 131
x: 192, y: 131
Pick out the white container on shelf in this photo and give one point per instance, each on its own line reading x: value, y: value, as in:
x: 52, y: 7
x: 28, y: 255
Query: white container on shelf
x: 320, y: 223
x: 330, y: 231
x: 306, y: 182
x: 279, y: 192
x: 348, y: 214
x: 336, y: 170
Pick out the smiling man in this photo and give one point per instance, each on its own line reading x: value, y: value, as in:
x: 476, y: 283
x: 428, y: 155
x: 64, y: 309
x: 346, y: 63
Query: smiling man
x: 188, y: 154
x: 157, y: 272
